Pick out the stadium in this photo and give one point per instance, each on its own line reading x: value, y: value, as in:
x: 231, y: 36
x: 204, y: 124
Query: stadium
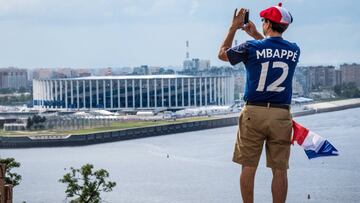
x: 133, y: 92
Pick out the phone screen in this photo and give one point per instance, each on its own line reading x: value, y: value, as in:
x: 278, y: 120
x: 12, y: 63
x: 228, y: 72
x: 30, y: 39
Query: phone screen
x: 246, y: 17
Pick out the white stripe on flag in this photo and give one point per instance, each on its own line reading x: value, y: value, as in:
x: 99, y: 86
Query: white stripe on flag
x: 313, y: 142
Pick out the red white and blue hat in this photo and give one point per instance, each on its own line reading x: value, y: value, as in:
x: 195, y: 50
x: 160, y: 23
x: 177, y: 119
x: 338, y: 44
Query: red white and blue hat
x: 277, y: 14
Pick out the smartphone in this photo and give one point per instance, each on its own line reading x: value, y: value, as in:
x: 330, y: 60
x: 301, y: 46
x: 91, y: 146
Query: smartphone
x: 246, y: 17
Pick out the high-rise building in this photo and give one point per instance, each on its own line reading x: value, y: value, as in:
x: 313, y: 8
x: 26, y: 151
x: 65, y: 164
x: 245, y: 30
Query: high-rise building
x: 196, y: 64
x: 320, y: 77
x: 13, y: 78
x: 338, y: 77
x: 350, y: 73
x: 142, y: 70
x: 47, y: 73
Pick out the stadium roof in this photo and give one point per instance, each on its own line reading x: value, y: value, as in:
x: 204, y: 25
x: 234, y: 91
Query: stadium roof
x: 123, y: 77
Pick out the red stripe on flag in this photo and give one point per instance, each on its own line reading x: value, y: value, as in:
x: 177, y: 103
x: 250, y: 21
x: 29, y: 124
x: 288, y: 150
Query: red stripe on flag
x: 300, y: 133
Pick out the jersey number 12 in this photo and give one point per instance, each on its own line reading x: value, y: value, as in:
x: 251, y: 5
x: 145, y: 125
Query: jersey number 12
x: 273, y: 87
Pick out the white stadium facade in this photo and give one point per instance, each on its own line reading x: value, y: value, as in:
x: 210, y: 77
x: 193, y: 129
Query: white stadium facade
x: 133, y: 92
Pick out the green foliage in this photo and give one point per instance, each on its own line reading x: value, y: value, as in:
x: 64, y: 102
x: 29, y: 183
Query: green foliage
x: 22, y: 90
x: 347, y: 90
x: 10, y: 177
x: 15, y: 100
x: 85, y: 184
x: 35, y: 122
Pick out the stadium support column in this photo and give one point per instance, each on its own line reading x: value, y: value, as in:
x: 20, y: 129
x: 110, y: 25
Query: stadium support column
x: 141, y: 96
x: 206, y: 92
x: 72, y: 93
x: 200, y: 91
x: 104, y: 94
x: 148, y: 92
x: 155, y: 92
x: 162, y: 92
x: 176, y: 92
x: 118, y: 93
x: 66, y: 95
x: 232, y: 87
x: 61, y: 91
x: 169, y: 91
x: 47, y: 92
x: 219, y: 91
x: 97, y: 93
x: 36, y: 89
x: 56, y: 94
x: 189, y: 91
x: 84, y: 94
x: 111, y: 94
x: 50, y: 93
x: 211, y: 98
x: 224, y: 91
x: 77, y: 94
x: 126, y: 94
x: 133, y: 93
x: 182, y: 92
x: 42, y: 93
x: 228, y: 87
x: 47, y: 96
x: 195, y: 92
x: 50, y: 90
x: 39, y: 86
x: 90, y: 93
x: 215, y: 92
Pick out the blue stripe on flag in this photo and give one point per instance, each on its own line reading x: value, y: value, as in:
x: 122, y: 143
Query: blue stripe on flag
x: 326, y: 150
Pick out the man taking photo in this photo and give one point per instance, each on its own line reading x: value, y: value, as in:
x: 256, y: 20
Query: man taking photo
x: 270, y: 64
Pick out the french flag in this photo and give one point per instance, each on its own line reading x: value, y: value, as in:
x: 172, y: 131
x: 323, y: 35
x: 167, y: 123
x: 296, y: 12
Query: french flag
x: 313, y: 144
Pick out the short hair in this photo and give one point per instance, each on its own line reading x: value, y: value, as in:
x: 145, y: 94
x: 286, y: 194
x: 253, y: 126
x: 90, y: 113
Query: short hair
x: 277, y: 27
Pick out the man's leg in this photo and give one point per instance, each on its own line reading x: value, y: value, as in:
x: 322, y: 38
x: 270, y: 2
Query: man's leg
x: 247, y: 179
x: 279, y: 185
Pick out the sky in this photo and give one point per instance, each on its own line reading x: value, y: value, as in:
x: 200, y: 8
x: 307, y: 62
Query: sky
x: 120, y: 33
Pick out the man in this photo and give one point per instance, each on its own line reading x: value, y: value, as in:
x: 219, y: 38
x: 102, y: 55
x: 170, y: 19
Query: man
x: 270, y: 63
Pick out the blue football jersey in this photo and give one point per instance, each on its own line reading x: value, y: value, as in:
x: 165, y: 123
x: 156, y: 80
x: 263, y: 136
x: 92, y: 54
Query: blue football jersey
x: 270, y: 65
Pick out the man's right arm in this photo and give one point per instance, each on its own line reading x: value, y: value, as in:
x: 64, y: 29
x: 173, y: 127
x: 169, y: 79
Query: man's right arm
x: 227, y: 44
x: 237, y: 23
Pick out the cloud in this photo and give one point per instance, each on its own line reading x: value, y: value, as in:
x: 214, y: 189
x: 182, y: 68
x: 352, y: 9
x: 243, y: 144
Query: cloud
x: 194, y: 7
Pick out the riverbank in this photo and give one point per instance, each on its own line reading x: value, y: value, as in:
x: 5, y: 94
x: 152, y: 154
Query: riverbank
x: 156, y: 129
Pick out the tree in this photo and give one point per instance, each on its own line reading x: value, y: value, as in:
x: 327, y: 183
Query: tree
x: 29, y: 123
x: 86, y: 184
x: 347, y: 90
x: 22, y: 90
x: 10, y: 177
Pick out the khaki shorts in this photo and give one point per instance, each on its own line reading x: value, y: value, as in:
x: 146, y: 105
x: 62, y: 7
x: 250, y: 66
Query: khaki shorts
x: 262, y: 124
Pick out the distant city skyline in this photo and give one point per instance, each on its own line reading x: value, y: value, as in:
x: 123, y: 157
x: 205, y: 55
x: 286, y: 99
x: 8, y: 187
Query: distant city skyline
x: 123, y: 33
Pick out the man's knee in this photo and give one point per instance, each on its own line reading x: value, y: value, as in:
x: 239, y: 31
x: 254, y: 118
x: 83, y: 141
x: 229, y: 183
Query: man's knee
x: 279, y: 172
x: 248, y: 170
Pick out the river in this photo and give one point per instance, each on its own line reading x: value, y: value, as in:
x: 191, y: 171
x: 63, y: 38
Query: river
x: 199, y: 167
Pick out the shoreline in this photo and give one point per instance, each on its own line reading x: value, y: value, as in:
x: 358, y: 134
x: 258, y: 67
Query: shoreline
x: 156, y: 130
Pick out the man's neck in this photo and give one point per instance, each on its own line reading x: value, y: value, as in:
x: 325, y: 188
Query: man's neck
x: 274, y: 34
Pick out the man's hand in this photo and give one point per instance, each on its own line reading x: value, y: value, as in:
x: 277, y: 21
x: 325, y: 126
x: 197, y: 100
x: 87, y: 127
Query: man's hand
x: 251, y: 30
x: 238, y: 19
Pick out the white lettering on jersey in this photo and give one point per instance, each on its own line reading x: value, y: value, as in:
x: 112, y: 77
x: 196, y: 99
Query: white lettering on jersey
x: 260, y: 54
x: 277, y: 53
